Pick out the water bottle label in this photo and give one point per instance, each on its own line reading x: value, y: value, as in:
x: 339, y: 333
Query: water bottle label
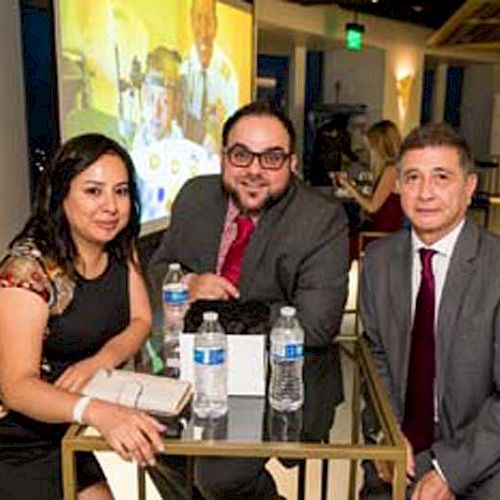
x: 288, y: 352
x: 175, y: 294
x: 209, y: 356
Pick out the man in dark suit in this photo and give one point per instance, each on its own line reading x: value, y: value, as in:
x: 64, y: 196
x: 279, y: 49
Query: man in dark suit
x: 430, y: 304
x: 295, y: 253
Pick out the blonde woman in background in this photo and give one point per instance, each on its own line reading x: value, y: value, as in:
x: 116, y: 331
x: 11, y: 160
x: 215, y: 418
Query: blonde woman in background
x: 383, y: 205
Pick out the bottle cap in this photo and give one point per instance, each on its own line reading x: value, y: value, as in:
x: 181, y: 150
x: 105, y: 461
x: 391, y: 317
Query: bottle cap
x: 174, y: 266
x: 210, y: 316
x: 288, y: 311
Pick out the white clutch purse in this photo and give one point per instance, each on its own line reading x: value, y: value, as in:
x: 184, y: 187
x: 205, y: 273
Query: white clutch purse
x: 150, y: 393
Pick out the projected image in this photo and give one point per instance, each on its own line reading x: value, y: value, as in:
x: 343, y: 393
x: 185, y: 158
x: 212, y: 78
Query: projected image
x: 159, y: 76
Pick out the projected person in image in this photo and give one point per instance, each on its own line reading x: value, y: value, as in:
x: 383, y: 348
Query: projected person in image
x: 159, y: 98
x: 210, y: 92
x: 78, y: 112
x: 163, y: 157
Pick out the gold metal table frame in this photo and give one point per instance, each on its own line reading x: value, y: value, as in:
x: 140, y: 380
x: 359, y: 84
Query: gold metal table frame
x: 395, y: 451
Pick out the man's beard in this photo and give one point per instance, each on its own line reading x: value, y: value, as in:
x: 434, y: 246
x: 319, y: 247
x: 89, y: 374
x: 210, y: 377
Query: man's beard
x: 269, y: 200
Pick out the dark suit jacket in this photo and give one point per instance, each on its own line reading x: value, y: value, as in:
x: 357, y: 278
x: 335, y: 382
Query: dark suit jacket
x: 297, y: 255
x: 467, y: 349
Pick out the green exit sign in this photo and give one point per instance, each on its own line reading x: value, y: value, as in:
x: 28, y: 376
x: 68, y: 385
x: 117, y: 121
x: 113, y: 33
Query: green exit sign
x: 354, y: 36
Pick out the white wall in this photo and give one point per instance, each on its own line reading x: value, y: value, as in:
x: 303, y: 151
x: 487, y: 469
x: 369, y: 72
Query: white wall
x: 361, y: 75
x: 14, y: 177
x: 404, y: 44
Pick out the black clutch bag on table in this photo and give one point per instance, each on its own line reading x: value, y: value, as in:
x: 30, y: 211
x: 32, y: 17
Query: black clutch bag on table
x: 236, y: 317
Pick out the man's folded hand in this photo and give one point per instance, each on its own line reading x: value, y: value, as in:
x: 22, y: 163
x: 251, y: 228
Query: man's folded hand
x: 209, y: 286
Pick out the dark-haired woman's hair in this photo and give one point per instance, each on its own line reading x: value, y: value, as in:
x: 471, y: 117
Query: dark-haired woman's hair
x: 48, y: 225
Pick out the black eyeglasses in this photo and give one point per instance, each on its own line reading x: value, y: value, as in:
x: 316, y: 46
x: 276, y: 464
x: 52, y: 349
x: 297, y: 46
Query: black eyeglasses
x: 270, y: 159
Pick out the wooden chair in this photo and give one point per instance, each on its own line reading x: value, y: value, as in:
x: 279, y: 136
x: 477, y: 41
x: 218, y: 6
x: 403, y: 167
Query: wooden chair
x: 364, y: 237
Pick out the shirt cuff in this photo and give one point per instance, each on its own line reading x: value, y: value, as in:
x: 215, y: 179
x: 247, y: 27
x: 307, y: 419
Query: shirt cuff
x: 437, y: 468
x: 186, y: 279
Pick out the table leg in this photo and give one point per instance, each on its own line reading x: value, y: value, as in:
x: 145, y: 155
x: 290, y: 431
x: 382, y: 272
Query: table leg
x: 141, y: 482
x: 324, y: 478
x: 189, y: 475
x: 301, y: 494
x: 399, y: 483
x: 68, y: 471
x: 356, y: 416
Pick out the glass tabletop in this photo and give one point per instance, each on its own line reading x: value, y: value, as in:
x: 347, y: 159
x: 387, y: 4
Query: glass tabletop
x: 346, y: 415
x: 252, y: 419
x: 339, y: 409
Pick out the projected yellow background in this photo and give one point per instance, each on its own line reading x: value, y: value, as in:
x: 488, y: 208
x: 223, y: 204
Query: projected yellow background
x: 133, y: 70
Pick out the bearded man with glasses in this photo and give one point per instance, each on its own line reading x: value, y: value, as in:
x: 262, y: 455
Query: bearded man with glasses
x: 256, y: 232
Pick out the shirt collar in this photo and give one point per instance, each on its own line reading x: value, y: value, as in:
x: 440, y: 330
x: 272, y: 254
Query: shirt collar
x: 444, y: 246
x: 233, y: 211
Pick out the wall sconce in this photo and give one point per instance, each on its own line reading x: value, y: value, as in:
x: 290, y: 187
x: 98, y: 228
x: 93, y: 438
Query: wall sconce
x: 404, y: 84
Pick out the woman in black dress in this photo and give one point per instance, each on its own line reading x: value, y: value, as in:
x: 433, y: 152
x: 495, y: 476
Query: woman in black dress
x: 72, y: 301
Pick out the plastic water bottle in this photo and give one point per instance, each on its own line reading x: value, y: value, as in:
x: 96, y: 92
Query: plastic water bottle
x: 286, y: 387
x: 175, y: 304
x: 210, y: 368
x: 284, y: 425
x: 210, y: 428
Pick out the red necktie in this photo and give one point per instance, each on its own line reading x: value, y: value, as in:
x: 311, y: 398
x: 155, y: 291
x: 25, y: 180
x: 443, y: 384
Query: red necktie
x: 232, y: 263
x: 418, y: 423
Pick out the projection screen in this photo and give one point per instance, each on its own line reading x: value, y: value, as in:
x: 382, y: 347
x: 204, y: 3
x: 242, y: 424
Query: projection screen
x: 158, y: 76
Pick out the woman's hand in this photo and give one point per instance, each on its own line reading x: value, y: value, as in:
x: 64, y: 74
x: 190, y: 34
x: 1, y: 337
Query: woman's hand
x: 343, y: 179
x: 340, y: 179
x: 133, y: 434
x: 74, y: 378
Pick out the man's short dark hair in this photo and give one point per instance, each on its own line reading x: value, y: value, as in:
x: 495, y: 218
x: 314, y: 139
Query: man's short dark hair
x: 435, y: 135
x: 258, y: 108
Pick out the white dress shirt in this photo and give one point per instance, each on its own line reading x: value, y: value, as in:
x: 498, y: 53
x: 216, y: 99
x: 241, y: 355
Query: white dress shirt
x: 440, y: 263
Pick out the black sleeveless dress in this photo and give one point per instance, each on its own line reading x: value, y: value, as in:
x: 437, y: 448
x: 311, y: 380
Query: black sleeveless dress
x: 30, y: 451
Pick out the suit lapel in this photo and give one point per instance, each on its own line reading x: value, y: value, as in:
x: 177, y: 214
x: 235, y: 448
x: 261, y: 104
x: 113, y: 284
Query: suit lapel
x: 460, y: 271
x: 213, y: 226
x: 400, y: 274
x: 260, y: 238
